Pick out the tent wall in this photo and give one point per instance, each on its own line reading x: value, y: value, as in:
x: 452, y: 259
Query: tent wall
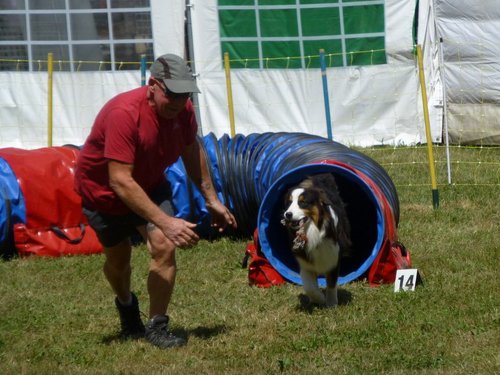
x: 378, y: 104
x: 370, y: 105
x: 471, y: 52
x: 77, y: 97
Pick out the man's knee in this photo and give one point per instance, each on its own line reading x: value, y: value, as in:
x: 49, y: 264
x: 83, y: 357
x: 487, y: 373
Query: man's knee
x: 160, y: 247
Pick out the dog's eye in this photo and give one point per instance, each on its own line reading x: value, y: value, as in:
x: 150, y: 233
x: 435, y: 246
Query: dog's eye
x: 304, y: 202
x: 307, y: 199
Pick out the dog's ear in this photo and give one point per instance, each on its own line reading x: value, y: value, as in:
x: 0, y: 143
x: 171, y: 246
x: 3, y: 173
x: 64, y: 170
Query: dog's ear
x: 307, y: 183
x: 344, y: 235
x: 324, y: 199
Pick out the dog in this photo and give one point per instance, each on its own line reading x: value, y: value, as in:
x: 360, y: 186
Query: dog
x: 316, y: 219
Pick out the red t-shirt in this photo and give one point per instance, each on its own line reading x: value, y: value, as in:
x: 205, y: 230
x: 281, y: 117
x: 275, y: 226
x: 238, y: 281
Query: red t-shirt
x: 127, y: 129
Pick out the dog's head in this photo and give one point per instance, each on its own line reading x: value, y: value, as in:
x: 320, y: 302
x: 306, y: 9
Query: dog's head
x: 303, y: 205
x: 316, y: 201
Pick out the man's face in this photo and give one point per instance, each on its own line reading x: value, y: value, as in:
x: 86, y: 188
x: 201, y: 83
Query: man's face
x: 168, y: 104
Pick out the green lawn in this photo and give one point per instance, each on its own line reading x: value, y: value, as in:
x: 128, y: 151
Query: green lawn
x: 57, y: 314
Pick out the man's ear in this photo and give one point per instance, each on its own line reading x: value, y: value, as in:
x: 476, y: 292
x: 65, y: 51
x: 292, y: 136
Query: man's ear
x: 151, y: 88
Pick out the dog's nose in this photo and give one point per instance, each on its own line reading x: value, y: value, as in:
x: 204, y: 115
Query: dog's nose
x: 288, y: 215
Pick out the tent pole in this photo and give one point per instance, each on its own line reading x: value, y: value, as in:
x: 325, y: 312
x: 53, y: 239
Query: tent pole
x: 326, y: 98
x: 445, y: 110
x: 189, y: 31
x: 432, y: 169
x: 143, y: 69
x: 50, y: 70
x: 230, y: 104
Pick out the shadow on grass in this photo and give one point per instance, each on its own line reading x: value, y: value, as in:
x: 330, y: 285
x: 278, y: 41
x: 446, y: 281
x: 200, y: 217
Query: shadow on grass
x: 206, y: 332
x: 116, y: 337
x: 344, y: 296
x: 200, y: 332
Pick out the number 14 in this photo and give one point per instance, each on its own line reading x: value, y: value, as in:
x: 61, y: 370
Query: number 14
x: 405, y: 280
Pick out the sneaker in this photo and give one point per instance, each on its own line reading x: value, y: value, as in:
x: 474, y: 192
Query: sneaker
x: 132, y: 326
x: 157, y: 333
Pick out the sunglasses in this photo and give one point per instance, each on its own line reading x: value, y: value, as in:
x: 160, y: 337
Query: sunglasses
x: 176, y: 95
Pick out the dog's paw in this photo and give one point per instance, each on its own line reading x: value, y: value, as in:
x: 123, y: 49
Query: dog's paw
x: 331, y: 304
x: 331, y: 297
x: 316, y: 297
x: 306, y: 304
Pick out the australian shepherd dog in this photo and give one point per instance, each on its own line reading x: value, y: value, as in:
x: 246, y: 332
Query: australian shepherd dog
x: 320, y: 234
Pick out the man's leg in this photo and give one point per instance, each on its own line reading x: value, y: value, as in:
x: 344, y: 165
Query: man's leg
x: 114, y: 232
x: 162, y: 271
x: 117, y: 269
x: 161, y: 281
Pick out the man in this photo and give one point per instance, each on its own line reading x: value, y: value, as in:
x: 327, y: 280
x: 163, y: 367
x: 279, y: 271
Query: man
x: 119, y: 175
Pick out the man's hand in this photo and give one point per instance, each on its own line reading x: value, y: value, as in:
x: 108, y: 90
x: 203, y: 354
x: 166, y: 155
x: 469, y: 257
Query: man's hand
x: 180, y: 232
x: 221, y: 216
x: 196, y: 166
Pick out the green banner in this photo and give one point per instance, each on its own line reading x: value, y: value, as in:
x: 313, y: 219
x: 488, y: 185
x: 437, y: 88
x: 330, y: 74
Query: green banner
x: 264, y: 34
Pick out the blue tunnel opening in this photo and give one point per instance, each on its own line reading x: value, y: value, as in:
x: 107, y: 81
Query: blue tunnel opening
x: 363, y: 210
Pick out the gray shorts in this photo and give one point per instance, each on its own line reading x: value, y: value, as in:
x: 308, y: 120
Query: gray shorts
x: 113, y: 229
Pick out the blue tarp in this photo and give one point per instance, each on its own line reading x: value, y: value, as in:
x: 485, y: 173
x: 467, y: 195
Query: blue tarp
x: 12, y: 206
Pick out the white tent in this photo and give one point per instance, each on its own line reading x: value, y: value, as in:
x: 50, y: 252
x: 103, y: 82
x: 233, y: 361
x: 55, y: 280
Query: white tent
x: 471, y: 52
x: 369, y: 104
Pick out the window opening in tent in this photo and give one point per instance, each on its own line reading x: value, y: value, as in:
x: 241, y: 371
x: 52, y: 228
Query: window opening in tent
x: 83, y: 35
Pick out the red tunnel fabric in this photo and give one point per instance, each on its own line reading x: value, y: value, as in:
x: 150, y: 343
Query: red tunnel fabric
x: 55, y: 224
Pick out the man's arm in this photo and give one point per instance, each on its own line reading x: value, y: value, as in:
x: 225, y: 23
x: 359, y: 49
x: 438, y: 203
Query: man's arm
x: 179, y: 231
x: 197, y: 169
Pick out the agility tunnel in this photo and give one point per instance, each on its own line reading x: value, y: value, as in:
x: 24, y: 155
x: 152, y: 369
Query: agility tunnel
x: 40, y: 213
x: 252, y: 173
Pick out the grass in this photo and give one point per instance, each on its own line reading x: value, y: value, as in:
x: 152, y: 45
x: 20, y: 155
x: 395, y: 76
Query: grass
x: 57, y: 314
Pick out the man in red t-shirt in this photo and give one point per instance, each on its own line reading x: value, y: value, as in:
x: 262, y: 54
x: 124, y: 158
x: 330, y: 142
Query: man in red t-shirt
x: 119, y: 175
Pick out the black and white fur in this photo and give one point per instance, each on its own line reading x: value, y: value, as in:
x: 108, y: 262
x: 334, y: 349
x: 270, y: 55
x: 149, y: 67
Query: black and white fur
x: 316, y: 219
